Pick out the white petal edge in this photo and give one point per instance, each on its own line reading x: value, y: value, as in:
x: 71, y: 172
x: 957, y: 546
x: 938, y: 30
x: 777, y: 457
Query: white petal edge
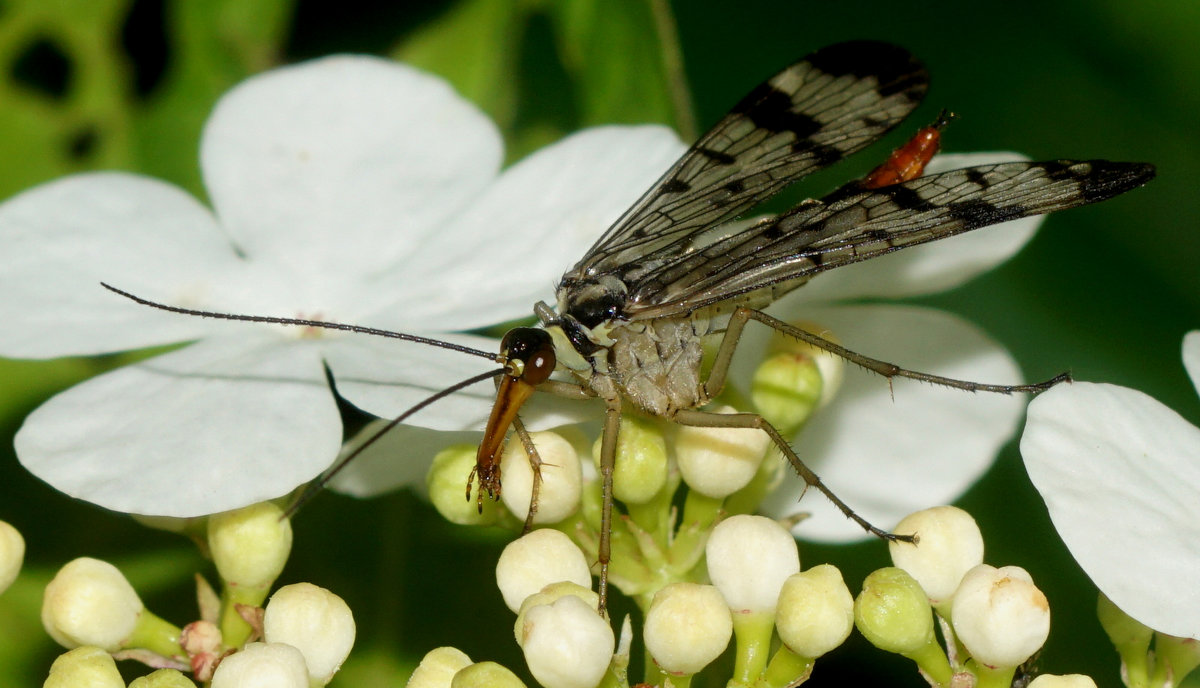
x: 511, y: 245
x: 215, y: 426
x: 400, y: 458
x: 889, y: 451
x: 1191, y: 357
x: 936, y: 266
x: 386, y: 378
x: 337, y: 166
x: 1120, y: 474
x: 63, y: 238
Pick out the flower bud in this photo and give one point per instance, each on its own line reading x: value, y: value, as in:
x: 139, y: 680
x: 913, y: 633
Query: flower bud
x: 537, y: 559
x: 1064, y: 681
x: 687, y: 626
x: 641, y: 464
x: 446, y: 481
x: 786, y: 390
x: 84, y: 666
x: 567, y: 644
x: 949, y: 544
x: 12, y: 554
x: 815, y: 612
x: 262, y: 665
x: 489, y: 674
x: 893, y: 613
x: 749, y: 558
x: 549, y: 595
x: 163, y: 678
x: 717, y: 462
x: 562, y: 478
x: 438, y: 667
x: 314, y: 621
x: 1000, y: 616
x: 90, y: 602
x: 250, y: 546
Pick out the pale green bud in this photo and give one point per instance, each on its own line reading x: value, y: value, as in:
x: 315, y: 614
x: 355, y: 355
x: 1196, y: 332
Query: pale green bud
x: 438, y: 667
x: 893, y: 612
x: 567, y: 644
x: 687, y: 626
x: 749, y: 558
x: 717, y: 462
x: 1000, y: 616
x: 447, y: 483
x: 562, y: 478
x: 89, y: 602
x: 815, y: 612
x: 1064, y: 681
x: 786, y: 390
x: 486, y: 675
x: 949, y: 544
x: 1182, y: 655
x: 314, y: 621
x: 84, y: 666
x: 537, y: 559
x: 12, y: 554
x: 641, y: 464
x: 250, y: 546
x: 262, y: 665
x: 163, y: 678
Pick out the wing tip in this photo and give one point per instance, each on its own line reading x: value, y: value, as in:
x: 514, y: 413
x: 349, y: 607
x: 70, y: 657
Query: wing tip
x: 1106, y: 179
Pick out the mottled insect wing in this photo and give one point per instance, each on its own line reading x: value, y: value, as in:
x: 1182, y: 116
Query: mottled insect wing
x: 852, y: 225
x: 810, y: 115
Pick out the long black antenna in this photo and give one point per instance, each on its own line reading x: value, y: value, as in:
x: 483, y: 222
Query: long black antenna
x: 317, y: 485
x: 305, y: 323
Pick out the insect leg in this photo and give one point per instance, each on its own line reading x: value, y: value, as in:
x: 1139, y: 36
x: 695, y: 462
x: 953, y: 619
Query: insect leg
x: 741, y: 316
x: 535, y: 464
x: 608, y: 459
x: 705, y: 419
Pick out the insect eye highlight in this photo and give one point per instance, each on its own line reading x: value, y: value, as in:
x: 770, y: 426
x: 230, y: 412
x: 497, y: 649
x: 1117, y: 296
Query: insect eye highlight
x: 532, y: 350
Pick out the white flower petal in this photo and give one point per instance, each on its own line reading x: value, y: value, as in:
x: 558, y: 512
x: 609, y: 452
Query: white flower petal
x: 398, y: 459
x: 215, y: 426
x: 890, y: 450
x: 933, y: 267
x: 1120, y: 474
x: 1191, y: 357
x: 386, y: 378
x: 334, y: 167
x: 509, y: 248
x: 63, y: 238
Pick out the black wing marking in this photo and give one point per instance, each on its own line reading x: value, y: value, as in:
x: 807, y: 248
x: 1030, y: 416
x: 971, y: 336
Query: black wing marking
x: 810, y: 115
x: 848, y: 227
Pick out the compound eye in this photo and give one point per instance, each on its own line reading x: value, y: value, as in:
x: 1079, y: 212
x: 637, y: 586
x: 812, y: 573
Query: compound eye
x: 534, y: 349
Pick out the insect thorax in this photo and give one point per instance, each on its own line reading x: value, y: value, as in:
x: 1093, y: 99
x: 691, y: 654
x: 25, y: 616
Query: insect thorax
x: 654, y: 363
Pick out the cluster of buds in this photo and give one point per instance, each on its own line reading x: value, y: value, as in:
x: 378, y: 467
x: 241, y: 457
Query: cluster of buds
x: 756, y: 589
x: 992, y: 620
x: 298, y: 638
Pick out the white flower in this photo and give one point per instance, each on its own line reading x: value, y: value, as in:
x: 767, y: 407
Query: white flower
x: 999, y: 615
x: 348, y: 189
x: 749, y: 558
x: 537, y: 559
x: 361, y: 191
x: 263, y: 665
x: 1120, y: 474
x: 89, y: 602
x: 567, y: 644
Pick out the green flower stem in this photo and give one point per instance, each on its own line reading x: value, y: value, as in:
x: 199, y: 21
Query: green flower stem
x: 932, y: 660
x: 987, y: 677
x: 700, y: 510
x: 786, y: 669
x: 679, y: 681
x: 234, y: 629
x: 752, y: 631
x: 1179, y: 656
x: 156, y: 635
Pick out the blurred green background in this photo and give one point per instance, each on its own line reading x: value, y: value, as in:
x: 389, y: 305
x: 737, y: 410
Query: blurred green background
x: 1106, y: 291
